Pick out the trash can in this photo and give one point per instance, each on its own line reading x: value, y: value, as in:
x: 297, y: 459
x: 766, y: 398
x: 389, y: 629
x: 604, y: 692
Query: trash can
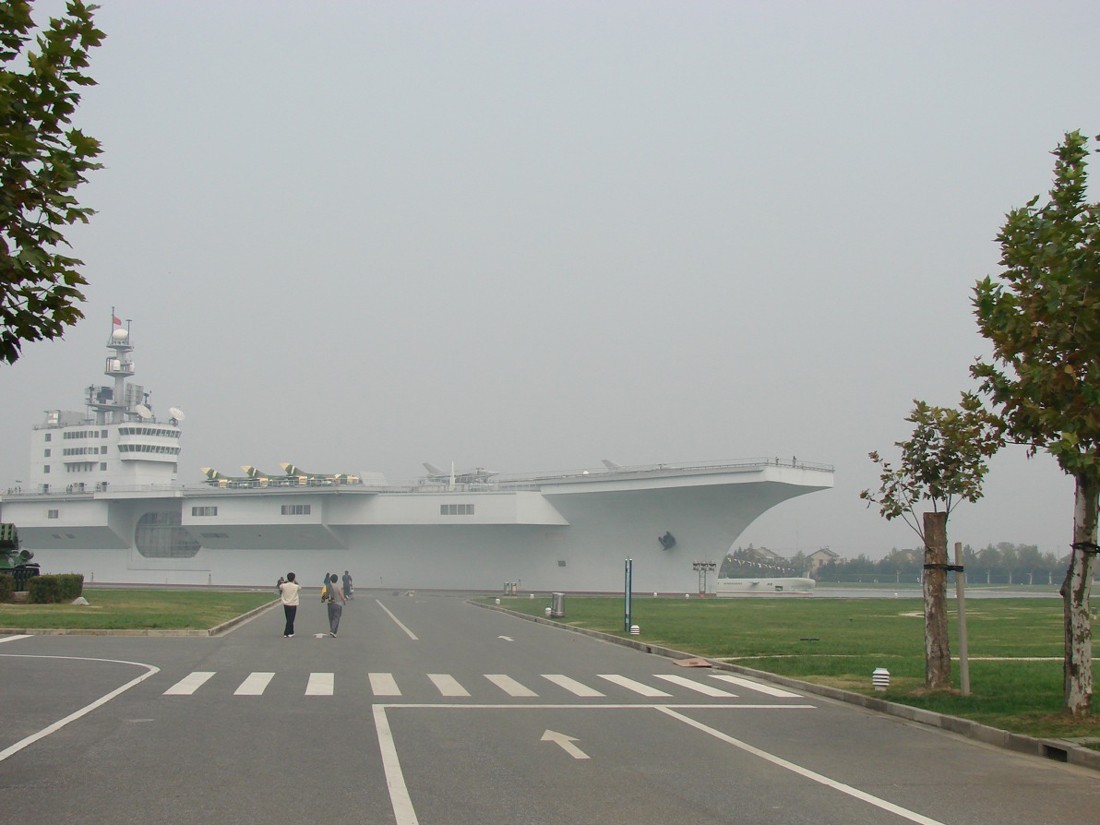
x: 557, y: 605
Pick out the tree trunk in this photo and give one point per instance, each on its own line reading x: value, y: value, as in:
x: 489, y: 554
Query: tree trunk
x: 937, y: 650
x: 1077, y: 668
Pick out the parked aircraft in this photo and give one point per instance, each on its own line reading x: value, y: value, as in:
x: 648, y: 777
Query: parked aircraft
x: 261, y: 478
x: 478, y: 475
x: 298, y: 476
x: 216, y: 479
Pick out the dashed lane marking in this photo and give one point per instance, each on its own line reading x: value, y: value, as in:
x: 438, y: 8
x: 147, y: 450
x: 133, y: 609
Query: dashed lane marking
x: 447, y: 685
x: 254, y: 685
x: 190, y: 683
x: 321, y: 684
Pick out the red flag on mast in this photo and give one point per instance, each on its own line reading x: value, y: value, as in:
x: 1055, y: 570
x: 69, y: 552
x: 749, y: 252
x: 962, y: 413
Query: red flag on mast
x: 117, y: 320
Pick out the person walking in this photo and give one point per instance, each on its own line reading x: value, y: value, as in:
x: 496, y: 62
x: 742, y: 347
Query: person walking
x: 336, y: 601
x: 288, y: 594
x: 346, y: 581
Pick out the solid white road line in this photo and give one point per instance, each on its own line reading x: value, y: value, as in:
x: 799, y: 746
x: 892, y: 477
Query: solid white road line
x: 383, y: 684
x: 572, y: 685
x: 190, y: 683
x: 254, y: 685
x: 14, y: 638
x: 856, y: 793
x: 397, y: 621
x: 447, y: 684
x: 72, y: 717
x: 403, y: 812
x: 510, y: 685
x: 630, y: 684
x: 757, y: 686
x: 320, y: 684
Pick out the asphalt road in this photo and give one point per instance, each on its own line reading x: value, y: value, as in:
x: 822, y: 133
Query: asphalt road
x: 429, y: 710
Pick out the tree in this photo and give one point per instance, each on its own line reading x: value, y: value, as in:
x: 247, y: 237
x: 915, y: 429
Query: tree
x: 1042, y: 315
x: 944, y: 462
x: 42, y: 160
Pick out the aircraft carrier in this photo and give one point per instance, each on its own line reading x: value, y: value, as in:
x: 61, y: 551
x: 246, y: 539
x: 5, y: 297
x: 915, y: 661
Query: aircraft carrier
x: 104, y: 500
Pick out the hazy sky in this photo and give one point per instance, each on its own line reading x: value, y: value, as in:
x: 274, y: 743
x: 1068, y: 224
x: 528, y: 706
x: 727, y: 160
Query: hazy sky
x: 532, y: 235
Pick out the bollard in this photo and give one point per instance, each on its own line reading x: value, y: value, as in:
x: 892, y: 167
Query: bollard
x: 880, y: 678
x: 635, y: 630
x: 557, y: 605
x: 497, y: 601
x: 547, y: 612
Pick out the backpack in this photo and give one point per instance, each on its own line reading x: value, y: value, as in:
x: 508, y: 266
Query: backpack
x: 324, y: 593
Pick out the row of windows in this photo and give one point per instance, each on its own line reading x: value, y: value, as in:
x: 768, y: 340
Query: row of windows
x: 287, y: 510
x: 79, y: 467
x: 456, y: 509
x: 81, y: 434
x: 81, y: 451
x: 148, y: 448
x: 148, y: 431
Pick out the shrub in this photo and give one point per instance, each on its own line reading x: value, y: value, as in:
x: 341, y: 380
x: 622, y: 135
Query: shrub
x: 43, y: 590
x: 7, y: 587
x: 70, y: 585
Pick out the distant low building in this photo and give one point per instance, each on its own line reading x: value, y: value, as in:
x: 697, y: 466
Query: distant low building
x: 821, y: 557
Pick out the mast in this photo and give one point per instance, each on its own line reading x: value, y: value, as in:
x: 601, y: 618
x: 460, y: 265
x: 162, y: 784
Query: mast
x: 112, y: 404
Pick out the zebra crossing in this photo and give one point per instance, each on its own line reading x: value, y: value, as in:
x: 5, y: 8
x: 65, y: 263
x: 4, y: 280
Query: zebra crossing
x: 490, y: 685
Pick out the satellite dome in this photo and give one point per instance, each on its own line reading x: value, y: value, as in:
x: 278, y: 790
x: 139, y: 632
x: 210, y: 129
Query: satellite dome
x: 120, y: 334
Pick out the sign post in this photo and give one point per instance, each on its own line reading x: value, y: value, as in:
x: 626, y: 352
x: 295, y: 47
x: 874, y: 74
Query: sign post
x: 627, y: 590
x: 960, y: 599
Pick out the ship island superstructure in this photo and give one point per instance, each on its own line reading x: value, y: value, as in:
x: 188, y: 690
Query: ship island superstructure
x: 105, y: 501
x: 117, y: 441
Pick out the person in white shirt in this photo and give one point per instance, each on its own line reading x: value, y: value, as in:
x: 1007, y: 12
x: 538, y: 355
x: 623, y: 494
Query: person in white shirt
x: 288, y: 593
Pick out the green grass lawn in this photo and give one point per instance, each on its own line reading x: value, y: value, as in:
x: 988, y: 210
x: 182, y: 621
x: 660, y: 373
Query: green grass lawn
x: 1015, y: 647
x: 111, y: 609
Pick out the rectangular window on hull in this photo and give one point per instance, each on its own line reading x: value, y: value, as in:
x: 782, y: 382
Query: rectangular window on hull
x: 296, y: 509
x: 53, y: 514
x: 204, y: 511
x: 456, y: 509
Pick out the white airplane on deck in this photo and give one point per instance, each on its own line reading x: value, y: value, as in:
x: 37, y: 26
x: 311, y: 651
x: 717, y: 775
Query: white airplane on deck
x: 478, y: 475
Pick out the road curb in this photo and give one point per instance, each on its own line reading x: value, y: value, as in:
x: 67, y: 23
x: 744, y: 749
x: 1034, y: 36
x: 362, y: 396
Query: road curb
x: 1057, y: 750
x: 217, y: 630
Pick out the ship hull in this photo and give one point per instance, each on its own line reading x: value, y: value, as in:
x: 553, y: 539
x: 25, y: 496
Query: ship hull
x: 568, y: 533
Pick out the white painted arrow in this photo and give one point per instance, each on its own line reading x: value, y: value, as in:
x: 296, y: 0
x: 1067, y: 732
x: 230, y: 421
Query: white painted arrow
x: 506, y: 638
x: 566, y: 743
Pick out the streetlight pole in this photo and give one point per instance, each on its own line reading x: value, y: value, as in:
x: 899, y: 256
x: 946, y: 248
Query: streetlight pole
x: 703, y: 567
